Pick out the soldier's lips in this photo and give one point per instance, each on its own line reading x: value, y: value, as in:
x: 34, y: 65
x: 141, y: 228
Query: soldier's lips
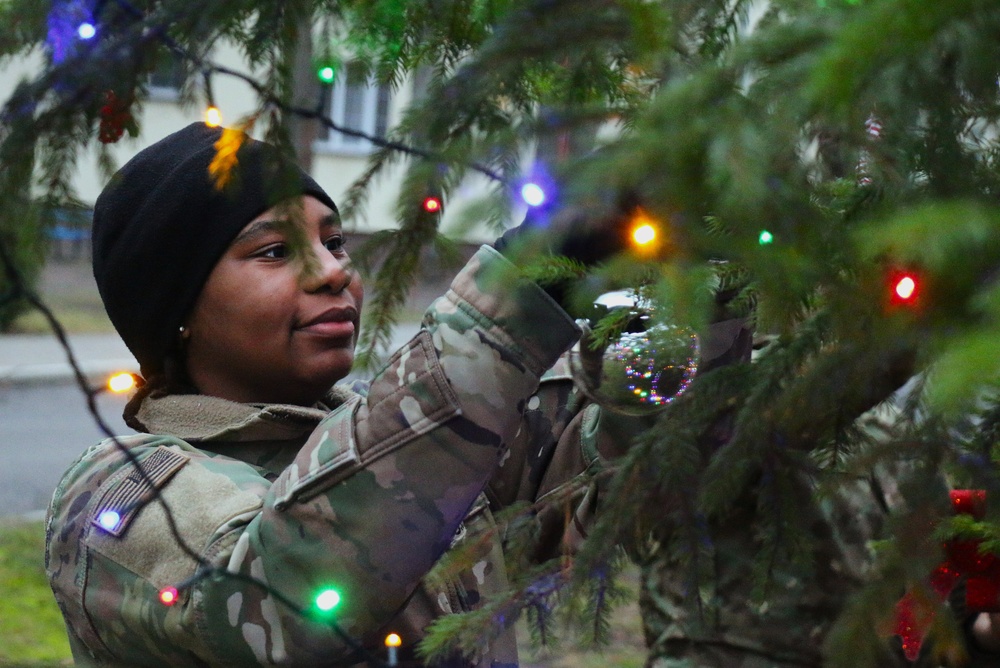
x: 331, y: 329
x: 335, y: 323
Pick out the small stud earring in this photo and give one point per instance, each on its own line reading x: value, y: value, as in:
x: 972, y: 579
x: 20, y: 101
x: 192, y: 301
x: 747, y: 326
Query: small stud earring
x: 184, y: 333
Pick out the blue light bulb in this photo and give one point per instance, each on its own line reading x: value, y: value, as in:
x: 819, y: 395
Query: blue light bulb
x: 532, y: 194
x: 86, y: 31
x: 109, y: 519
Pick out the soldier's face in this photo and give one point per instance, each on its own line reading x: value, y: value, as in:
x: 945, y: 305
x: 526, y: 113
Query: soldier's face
x: 279, y: 315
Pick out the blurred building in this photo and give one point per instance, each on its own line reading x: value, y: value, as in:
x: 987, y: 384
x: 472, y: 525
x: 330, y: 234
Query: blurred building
x: 335, y: 160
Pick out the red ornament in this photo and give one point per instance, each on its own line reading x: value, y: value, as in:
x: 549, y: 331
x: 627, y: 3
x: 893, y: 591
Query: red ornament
x: 969, y: 502
x: 915, y: 614
x: 116, y: 117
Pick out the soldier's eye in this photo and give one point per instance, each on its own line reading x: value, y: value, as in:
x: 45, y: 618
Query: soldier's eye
x: 335, y: 244
x: 274, y: 252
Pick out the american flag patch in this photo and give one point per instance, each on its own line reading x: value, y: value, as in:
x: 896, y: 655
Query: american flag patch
x: 124, y: 498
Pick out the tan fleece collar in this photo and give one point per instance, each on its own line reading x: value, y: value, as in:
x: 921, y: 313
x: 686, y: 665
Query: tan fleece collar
x: 197, y: 417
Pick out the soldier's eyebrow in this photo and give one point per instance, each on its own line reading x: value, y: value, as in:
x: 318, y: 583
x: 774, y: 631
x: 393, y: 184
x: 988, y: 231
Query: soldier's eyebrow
x: 256, y: 229
x: 332, y: 220
x: 267, y: 226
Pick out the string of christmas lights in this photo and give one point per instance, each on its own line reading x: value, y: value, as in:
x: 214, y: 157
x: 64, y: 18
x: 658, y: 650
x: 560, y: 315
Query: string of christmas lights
x: 531, y: 193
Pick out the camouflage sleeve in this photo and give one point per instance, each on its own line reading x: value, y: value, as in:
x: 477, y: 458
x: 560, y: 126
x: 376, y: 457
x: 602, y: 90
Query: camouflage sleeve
x: 566, y: 439
x: 369, y: 504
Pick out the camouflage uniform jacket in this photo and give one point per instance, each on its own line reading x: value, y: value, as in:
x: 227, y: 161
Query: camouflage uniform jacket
x: 363, y: 494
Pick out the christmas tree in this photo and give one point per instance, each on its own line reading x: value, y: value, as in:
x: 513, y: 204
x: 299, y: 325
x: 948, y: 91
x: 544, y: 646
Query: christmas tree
x: 822, y: 169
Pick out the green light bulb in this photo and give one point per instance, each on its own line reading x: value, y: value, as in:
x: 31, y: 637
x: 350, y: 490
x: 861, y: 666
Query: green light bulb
x: 327, y: 600
x: 326, y: 74
x: 765, y: 238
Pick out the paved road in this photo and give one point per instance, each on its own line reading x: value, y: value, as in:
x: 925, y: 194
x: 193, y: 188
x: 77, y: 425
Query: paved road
x: 43, y: 428
x: 45, y: 425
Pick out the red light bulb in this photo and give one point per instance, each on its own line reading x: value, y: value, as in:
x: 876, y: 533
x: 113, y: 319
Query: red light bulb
x: 905, y: 288
x: 168, y: 595
x: 432, y: 204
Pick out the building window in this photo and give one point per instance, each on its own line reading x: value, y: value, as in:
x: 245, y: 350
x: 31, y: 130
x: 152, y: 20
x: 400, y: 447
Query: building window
x: 355, y: 101
x: 165, y: 82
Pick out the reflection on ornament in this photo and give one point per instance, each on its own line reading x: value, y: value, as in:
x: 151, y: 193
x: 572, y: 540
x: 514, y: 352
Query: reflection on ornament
x: 642, y: 372
x: 646, y: 376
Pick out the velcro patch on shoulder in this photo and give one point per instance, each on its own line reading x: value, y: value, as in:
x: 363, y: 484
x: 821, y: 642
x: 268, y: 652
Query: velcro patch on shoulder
x: 130, y: 489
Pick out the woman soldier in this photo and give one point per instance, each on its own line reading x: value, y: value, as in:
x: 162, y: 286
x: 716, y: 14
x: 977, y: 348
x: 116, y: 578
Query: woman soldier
x: 242, y: 309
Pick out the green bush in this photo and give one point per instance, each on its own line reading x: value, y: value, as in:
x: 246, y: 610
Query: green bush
x: 24, y: 240
x: 30, y: 623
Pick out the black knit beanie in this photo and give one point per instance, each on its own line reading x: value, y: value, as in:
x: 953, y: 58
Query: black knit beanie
x: 161, y: 224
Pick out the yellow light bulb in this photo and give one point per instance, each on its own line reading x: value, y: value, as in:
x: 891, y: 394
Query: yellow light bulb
x: 644, y: 231
x: 644, y: 234
x: 121, y: 382
x: 393, y: 640
x: 213, y: 117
